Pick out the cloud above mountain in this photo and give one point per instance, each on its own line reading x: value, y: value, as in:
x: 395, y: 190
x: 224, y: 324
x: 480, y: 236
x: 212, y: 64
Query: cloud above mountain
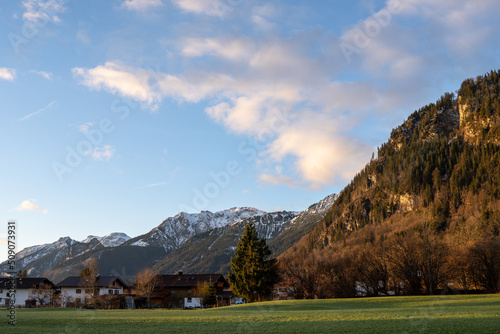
x: 325, y: 83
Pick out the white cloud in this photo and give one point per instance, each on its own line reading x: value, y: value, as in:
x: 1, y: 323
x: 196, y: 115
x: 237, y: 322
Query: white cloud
x: 141, y: 5
x: 105, y: 152
x: 46, y: 75
x: 324, y: 154
x: 278, y: 180
x: 263, y: 107
x: 83, y: 36
x: 260, y: 15
x: 152, y: 185
x: 85, y: 127
x: 40, y: 11
x: 235, y: 49
x: 30, y: 206
x: 7, y: 74
x: 120, y: 79
x: 206, y: 7
x: 305, y: 76
x: 262, y: 23
x: 38, y: 112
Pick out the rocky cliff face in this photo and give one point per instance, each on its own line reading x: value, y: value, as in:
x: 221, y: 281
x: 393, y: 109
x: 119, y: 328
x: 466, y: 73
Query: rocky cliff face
x: 428, y: 126
x: 475, y: 128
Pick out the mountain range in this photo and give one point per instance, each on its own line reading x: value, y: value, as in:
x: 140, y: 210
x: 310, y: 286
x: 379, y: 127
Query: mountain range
x: 176, y: 244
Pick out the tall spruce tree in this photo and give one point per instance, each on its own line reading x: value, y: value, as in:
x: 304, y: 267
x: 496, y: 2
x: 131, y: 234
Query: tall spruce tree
x: 253, y: 272
x: 210, y: 298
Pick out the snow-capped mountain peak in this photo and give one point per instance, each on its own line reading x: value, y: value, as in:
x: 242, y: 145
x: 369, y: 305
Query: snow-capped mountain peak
x: 174, y: 231
x: 110, y: 240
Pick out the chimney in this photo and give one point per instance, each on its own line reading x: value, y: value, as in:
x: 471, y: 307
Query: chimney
x: 179, y: 272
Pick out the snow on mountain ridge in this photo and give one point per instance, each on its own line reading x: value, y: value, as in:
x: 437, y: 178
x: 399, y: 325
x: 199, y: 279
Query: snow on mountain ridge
x: 174, y: 231
x: 111, y: 240
x: 319, y: 208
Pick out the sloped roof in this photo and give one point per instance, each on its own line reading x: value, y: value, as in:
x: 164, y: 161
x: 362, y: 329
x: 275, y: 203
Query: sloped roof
x: 101, y: 282
x: 189, y: 281
x: 23, y: 283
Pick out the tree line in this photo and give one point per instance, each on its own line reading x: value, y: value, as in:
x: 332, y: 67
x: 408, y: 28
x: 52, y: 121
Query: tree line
x: 419, y: 261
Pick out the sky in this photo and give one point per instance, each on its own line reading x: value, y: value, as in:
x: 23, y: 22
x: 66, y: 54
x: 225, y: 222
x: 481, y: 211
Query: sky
x: 115, y: 115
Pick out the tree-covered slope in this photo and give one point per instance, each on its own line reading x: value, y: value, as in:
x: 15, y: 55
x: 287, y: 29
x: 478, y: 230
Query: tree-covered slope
x: 438, y: 177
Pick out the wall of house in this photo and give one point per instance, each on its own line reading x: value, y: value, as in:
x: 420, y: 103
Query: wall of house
x: 70, y: 294
x: 21, y: 296
x: 3, y: 297
x: 106, y: 290
x: 192, y: 302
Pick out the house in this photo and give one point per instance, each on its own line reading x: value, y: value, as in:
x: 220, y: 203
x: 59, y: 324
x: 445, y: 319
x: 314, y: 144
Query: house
x: 77, y: 289
x: 30, y: 291
x: 186, y: 291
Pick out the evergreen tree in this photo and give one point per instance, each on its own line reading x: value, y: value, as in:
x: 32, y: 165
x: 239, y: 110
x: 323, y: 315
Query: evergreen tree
x: 253, y: 272
x: 210, y: 298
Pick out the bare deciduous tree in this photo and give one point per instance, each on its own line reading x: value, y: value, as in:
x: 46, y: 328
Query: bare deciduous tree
x: 485, y: 263
x: 404, y: 262
x: 44, y: 293
x: 89, y: 276
x: 146, y: 282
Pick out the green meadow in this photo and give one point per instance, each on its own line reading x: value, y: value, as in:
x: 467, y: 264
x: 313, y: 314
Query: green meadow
x: 422, y: 314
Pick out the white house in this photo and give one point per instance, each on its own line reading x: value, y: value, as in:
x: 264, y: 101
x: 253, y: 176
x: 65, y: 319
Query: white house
x: 77, y: 289
x: 30, y: 291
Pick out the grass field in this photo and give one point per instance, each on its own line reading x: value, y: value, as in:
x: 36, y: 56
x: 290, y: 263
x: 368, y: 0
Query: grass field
x: 433, y: 314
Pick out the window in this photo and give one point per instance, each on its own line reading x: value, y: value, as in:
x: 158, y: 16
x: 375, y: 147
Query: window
x: 419, y: 273
x: 97, y: 290
x: 116, y: 292
x: 78, y: 290
x: 87, y: 291
x: 189, y: 290
x: 110, y: 292
x: 190, y: 300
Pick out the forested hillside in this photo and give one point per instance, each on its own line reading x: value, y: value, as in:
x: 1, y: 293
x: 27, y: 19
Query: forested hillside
x: 422, y: 216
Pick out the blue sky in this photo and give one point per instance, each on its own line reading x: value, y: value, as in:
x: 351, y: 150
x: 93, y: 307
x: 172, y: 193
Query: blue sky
x: 118, y: 114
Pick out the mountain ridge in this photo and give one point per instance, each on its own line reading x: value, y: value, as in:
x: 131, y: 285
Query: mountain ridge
x: 122, y: 255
